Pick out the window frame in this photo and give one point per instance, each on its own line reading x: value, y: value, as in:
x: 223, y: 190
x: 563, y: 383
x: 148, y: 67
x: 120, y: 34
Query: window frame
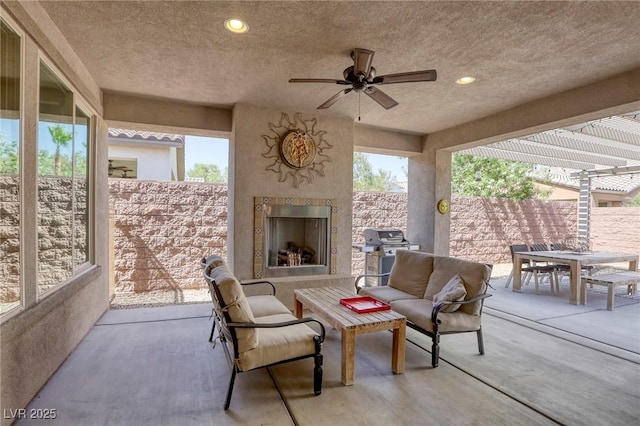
x: 81, y: 103
x: 21, y: 129
x: 32, y: 57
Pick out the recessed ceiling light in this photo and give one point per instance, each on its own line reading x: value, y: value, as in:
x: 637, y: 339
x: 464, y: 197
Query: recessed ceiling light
x: 236, y: 26
x: 465, y: 80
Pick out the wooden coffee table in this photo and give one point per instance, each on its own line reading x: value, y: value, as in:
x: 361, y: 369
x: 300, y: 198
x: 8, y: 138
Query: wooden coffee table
x: 325, y: 303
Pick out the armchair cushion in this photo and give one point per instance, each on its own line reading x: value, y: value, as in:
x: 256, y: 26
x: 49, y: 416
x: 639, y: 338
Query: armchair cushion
x: 279, y: 343
x: 410, y: 272
x: 213, y: 261
x: 262, y: 306
x: 237, y: 306
x: 453, y: 291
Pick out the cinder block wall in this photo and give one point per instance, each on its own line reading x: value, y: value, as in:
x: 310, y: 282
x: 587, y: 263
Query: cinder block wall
x: 615, y: 229
x: 55, y: 226
x: 482, y: 229
x: 375, y: 210
x: 162, y: 229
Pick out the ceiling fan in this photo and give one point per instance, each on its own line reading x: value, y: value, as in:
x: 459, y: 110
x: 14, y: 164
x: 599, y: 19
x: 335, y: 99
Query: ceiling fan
x: 362, y: 78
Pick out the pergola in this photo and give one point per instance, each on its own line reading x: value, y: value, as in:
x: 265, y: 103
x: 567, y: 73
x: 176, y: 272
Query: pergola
x: 605, y: 147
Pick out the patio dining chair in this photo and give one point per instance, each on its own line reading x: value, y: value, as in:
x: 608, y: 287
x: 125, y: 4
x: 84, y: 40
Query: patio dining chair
x: 548, y: 268
x: 563, y: 270
x: 531, y: 269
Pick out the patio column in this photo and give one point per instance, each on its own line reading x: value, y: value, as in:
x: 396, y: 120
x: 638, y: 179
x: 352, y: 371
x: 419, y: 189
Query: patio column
x: 429, y: 182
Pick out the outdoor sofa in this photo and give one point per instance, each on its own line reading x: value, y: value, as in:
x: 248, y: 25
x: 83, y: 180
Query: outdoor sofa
x: 438, y: 295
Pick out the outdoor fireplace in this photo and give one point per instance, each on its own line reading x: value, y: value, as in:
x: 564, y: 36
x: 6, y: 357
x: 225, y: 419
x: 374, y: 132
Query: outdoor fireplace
x: 293, y: 237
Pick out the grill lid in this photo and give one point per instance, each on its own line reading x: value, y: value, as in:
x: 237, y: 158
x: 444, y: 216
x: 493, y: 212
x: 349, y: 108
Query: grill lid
x: 378, y: 237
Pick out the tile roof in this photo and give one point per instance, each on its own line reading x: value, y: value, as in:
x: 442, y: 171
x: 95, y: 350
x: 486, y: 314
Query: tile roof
x: 137, y: 135
x: 622, y: 184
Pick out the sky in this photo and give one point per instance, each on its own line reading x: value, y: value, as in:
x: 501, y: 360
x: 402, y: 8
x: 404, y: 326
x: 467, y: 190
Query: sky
x: 206, y: 150
x: 216, y: 151
x: 9, y: 130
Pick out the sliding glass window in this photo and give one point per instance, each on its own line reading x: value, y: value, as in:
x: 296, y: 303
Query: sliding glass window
x: 63, y: 152
x: 10, y: 140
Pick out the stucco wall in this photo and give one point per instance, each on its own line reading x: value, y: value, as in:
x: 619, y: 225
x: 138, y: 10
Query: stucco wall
x: 152, y: 163
x: 37, y: 339
x: 252, y: 173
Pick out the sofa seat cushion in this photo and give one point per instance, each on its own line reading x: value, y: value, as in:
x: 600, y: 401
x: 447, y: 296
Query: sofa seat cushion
x: 418, y: 311
x: 474, y: 276
x: 385, y: 294
x: 265, y: 305
x: 237, y: 305
x: 276, y: 344
x: 410, y: 272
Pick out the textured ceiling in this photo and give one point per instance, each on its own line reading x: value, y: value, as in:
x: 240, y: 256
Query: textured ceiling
x: 519, y: 51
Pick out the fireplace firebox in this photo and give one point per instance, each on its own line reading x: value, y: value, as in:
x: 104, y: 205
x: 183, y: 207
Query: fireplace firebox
x: 294, y: 237
x: 296, y: 240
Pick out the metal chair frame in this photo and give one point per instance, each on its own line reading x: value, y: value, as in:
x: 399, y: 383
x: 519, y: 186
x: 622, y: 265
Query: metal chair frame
x: 227, y: 334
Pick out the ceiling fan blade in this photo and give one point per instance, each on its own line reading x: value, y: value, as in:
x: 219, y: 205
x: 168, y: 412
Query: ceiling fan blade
x: 317, y: 80
x: 406, y: 77
x: 332, y: 100
x: 386, y: 101
x: 362, y: 59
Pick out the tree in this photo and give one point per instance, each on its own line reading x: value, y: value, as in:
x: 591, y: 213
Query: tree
x: 8, y: 157
x: 491, y: 177
x: 632, y: 201
x: 61, y: 139
x: 209, y: 172
x: 365, y: 179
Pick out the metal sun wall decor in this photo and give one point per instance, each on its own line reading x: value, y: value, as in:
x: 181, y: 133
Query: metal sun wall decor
x: 297, y: 149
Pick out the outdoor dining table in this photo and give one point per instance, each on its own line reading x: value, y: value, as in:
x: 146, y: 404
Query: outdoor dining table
x: 575, y: 260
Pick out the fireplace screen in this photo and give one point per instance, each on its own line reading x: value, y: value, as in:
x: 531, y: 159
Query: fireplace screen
x: 296, y: 240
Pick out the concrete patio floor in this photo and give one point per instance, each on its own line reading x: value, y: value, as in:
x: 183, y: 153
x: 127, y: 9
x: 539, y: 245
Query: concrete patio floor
x: 546, y: 362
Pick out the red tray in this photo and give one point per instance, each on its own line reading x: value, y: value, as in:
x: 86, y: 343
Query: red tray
x: 364, y: 304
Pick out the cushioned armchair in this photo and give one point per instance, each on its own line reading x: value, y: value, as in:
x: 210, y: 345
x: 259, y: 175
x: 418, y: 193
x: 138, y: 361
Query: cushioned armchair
x: 260, y: 305
x: 252, y: 335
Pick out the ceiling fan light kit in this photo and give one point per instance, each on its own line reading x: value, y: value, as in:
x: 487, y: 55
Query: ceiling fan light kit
x: 362, y: 78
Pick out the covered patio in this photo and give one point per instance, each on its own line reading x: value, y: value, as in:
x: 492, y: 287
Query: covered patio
x: 173, y: 67
x: 547, y: 362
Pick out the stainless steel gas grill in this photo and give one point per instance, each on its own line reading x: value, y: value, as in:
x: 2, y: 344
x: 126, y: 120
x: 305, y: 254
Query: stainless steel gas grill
x: 380, y: 252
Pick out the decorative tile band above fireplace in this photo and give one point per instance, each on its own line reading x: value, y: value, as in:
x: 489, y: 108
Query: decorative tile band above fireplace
x: 294, y: 236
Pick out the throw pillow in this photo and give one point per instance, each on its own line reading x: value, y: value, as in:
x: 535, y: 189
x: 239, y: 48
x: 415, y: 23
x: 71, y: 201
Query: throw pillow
x: 453, y: 291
